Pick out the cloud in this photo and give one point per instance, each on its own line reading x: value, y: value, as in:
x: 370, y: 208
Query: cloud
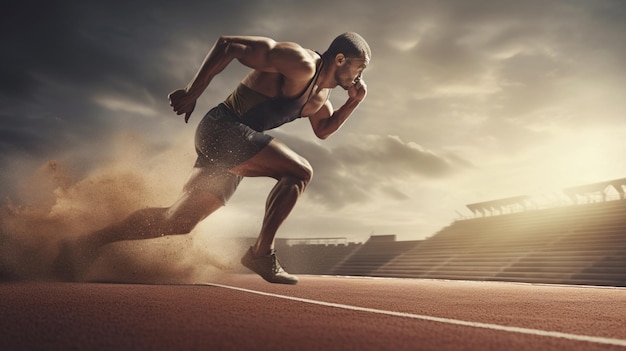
x: 389, y: 157
x: 362, y: 168
x: 117, y: 104
x: 490, y: 81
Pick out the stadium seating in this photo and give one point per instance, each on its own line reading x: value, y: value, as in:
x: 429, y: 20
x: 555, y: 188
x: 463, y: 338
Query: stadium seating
x: 372, y: 255
x: 575, y: 243
x: 579, y: 244
x: 313, y: 258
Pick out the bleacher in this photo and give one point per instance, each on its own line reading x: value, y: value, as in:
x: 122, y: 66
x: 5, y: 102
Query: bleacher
x: 575, y: 244
x: 583, y: 242
x: 376, y: 252
x: 545, y: 246
x: 313, y: 255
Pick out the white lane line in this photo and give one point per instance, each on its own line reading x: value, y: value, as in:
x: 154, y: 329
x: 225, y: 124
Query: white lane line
x: 529, y: 331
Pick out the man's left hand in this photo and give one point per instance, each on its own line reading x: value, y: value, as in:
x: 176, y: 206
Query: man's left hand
x: 358, y: 90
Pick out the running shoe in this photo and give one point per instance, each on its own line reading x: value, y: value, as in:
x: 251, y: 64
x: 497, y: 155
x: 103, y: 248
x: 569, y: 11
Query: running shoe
x: 268, y: 267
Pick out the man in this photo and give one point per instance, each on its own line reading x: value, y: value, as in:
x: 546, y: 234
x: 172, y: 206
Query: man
x: 286, y: 82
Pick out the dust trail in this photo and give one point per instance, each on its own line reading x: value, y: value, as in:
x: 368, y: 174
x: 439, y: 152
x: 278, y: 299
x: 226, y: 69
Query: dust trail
x: 55, y: 204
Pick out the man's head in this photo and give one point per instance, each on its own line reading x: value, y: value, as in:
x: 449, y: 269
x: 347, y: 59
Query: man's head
x: 350, y: 54
x: 351, y: 45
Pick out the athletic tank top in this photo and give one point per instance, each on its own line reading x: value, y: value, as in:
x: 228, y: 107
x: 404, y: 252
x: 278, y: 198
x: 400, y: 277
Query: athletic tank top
x: 261, y: 112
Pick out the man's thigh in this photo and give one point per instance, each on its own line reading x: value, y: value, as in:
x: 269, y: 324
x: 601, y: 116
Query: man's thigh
x: 275, y: 160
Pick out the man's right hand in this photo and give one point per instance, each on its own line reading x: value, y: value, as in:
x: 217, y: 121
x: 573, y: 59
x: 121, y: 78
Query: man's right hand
x: 182, y: 102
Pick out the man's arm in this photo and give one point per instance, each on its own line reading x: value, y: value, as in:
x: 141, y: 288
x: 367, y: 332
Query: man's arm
x: 259, y: 53
x: 253, y: 52
x: 326, y: 122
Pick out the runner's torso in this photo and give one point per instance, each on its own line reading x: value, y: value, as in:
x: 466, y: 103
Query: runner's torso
x: 261, y: 112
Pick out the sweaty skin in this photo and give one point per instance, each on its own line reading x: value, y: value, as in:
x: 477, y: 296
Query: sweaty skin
x: 280, y: 69
x: 277, y: 69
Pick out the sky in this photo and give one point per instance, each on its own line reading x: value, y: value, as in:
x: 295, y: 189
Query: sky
x: 468, y: 101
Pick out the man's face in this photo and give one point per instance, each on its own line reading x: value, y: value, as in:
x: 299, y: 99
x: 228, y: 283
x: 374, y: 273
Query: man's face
x: 350, y: 71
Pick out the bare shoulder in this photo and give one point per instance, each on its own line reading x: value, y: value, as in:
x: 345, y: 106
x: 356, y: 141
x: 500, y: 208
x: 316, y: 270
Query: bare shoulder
x: 294, y: 61
x: 267, y: 55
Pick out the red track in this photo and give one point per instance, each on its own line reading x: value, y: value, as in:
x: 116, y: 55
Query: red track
x: 242, y: 312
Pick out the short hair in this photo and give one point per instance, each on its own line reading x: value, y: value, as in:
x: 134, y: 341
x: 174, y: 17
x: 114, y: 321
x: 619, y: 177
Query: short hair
x: 349, y: 44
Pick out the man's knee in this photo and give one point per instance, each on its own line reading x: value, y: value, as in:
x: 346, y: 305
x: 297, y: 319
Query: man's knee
x: 180, y: 222
x: 305, y: 173
x: 304, y: 177
x: 308, y: 172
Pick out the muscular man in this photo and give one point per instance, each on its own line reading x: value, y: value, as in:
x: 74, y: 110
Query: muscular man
x: 286, y: 82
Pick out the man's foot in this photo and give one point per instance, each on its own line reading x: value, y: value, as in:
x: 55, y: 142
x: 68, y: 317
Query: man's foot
x: 268, y: 267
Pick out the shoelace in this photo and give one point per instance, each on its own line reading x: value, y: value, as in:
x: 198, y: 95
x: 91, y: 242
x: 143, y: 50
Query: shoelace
x: 276, y: 267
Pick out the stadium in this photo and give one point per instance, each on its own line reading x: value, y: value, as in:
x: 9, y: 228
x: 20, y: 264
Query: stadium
x: 580, y: 239
x: 466, y: 107
x: 517, y: 275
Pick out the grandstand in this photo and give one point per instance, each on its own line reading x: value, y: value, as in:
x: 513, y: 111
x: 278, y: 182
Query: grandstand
x: 512, y: 239
x: 314, y: 255
x: 375, y: 253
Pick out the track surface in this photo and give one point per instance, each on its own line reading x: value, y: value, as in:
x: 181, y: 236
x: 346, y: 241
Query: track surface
x: 242, y: 312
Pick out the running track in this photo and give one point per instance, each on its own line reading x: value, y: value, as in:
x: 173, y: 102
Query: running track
x: 241, y: 312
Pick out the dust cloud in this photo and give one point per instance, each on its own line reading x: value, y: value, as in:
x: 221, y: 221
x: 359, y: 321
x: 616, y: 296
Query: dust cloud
x: 56, y: 204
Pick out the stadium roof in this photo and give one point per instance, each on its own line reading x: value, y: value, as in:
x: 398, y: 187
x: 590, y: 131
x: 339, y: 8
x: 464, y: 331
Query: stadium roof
x: 619, y: 185
x: 497, y: 204
x: 596, y: 188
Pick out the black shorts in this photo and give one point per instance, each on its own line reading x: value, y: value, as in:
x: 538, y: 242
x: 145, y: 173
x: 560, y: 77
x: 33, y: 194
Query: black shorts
x: 222, y: 143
